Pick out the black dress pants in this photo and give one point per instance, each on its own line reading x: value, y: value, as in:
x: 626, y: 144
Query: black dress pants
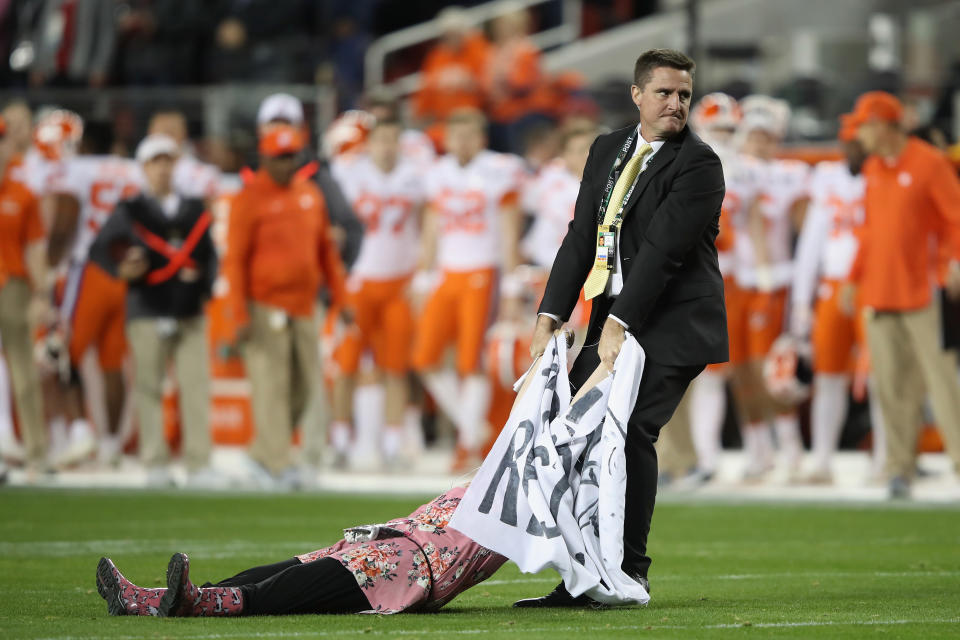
x: 661, y: 389
x: 292, y: 587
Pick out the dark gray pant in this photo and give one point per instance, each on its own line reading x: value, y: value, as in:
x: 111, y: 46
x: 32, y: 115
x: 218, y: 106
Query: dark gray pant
x: 661, y: 388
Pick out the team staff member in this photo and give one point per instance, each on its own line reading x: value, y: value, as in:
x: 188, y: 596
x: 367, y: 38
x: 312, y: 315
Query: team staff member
x: 279, y: 252
x: 656, y: 277
x: 22, y: 274
x: 283, y: 108
x: 159, y: 243
x: 912, y: 195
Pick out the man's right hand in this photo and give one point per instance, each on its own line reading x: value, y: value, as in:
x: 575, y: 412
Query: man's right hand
x: 133, y: 265
x: 542, y: 333
x: 848, y: 299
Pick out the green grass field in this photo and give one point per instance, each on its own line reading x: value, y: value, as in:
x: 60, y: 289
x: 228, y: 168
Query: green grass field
x: 720, y: 570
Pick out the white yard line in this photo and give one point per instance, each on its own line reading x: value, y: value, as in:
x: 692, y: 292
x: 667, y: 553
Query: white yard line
x: 515, y: 630
x: 761, y: 576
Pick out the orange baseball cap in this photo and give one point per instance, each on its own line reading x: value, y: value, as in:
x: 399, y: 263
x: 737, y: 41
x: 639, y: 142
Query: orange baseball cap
x: 876, y: 105
x: 848, y: 128
x: 281, y: 139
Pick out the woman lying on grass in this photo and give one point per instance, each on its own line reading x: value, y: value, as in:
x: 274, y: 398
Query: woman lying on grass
x: 416, y: 563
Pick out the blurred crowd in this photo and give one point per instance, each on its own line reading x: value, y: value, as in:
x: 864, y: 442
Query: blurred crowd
x: 361, y: 302
x: 99, y: 43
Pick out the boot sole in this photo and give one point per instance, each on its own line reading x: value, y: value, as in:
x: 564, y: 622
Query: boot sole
x: 109, y: 588
x: 170, y: 602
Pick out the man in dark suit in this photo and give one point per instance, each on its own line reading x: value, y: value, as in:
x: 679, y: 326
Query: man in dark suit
x: 642, y: 244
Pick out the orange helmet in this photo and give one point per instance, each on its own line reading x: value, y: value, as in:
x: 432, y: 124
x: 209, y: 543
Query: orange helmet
x: 58, y: 133
x: 348, y: 132
x: 715, y: 111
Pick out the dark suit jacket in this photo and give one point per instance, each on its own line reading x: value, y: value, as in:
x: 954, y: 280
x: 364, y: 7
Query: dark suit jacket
x: 672, y: 297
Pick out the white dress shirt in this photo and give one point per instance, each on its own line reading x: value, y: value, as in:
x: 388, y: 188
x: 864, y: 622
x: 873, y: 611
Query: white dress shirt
x: 170, y: 205
x: 615, y: 282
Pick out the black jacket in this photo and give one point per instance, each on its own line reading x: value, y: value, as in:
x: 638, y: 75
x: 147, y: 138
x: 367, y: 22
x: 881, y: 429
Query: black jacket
x: 176, y: 297
x: 672, y: 297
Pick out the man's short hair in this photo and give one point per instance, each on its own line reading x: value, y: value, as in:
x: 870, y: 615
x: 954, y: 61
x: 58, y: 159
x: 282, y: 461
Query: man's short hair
x: 583, y: 129
x: 656, y: 58
x: 386, y: 122
x: 468, y: 115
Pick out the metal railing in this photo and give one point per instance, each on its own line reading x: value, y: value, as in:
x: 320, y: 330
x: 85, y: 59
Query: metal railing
x: 220, y: 108
x: 380, y: 49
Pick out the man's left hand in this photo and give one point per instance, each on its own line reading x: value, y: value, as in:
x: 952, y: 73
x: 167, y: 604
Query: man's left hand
x: 611, y: 339
x: 953, y: 281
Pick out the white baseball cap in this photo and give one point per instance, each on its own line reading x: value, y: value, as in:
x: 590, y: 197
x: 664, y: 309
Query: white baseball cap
x: 280, y: 106
x: 157, y: 144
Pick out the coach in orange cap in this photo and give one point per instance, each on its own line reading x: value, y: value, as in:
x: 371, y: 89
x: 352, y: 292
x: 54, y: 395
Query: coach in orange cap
x: 22, y: 274
x: 912, y: 196
x: 279, y: 252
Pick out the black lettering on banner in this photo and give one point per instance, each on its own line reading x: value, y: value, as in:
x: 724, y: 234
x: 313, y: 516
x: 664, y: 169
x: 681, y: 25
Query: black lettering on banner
x: 583, y: 405
x: 508, y: 513
x: 587, y: 515
x: 536, y: 527
x: 551, y: 387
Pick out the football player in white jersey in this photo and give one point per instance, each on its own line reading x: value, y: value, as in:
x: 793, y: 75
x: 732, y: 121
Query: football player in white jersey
x: 715, y: 119
x: 470, y: 233
x: 825, y: 252
x: 551, y: 196
x: 387, y: 194
x: 92, y: 309
x: 763, y: 273
x: 191, y: 177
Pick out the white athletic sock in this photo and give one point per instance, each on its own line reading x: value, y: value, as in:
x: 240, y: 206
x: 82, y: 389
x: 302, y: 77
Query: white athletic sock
x: 475, y: 403
x: 58, y: 436
x: 340, y: 436
x: 878, y: 426
x: 758, y: 446
x: 413, y: 431
x: 444, y: 386
x: 6, y: 404
x: 827, y: 412
x: 708, y: 406
x: 368, y: 423
x: 392, y: 440
x: 787, y: 428
x: 80, y: 430
x: 110, y: 453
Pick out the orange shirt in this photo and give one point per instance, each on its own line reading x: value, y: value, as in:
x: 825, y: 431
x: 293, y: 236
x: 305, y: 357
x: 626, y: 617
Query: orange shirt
x: 20, y: 224
x: 280, y: 249
x: 514, y: 83
x: 906, y: 204
x: 451, y: 78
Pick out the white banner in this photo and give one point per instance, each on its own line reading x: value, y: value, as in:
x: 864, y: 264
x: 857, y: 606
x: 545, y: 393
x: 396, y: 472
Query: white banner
x: 551, y: 492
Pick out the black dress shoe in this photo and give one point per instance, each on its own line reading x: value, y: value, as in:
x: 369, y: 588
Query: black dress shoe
x: 559, y: 597
x: 642, y: 580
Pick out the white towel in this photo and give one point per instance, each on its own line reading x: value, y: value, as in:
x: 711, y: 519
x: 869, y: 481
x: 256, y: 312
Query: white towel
x: 551, y: 492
